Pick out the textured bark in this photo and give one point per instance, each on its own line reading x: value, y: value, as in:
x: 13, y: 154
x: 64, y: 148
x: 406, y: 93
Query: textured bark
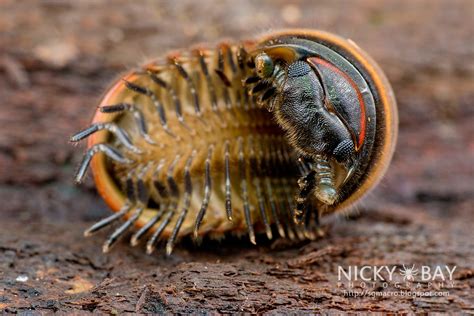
x: 56, y: 58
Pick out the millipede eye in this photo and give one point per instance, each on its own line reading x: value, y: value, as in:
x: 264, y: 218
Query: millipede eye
x: 344, y: 150
x: 298, y: 69
x: 264, y: 65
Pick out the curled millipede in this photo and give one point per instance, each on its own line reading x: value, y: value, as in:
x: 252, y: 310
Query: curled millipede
x: 261, y: 136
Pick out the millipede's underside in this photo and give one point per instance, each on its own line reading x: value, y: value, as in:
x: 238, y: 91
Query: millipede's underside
x: 197, y: 155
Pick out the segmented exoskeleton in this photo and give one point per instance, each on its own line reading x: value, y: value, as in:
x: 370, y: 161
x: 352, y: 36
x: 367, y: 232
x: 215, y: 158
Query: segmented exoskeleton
x: 245, y: 137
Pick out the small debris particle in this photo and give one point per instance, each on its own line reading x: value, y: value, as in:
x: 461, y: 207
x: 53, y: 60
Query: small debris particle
x: 291, y: 14
x: 56, y: 53
x: 21, y: 278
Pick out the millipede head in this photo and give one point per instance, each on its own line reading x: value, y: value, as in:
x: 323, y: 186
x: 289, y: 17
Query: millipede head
x: 333, y: 103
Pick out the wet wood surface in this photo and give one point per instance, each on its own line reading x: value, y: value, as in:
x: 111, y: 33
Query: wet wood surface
x: 57, y: 58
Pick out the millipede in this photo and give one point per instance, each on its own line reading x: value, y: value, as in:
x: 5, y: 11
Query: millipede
x: 260, y: 136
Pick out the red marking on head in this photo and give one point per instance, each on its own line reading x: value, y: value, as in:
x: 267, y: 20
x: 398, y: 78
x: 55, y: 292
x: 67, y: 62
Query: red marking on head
x: 324, y: 63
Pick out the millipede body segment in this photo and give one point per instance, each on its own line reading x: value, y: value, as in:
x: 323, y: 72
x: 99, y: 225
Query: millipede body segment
x: 251, y: 137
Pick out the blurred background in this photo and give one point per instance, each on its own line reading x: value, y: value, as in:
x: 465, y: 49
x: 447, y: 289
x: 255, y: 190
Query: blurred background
x: 58, y: 57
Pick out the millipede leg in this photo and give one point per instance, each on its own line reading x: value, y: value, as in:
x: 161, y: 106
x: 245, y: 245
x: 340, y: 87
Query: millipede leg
x: 139, y: 234
x: 308, y: 232
x: 241, y: 70
x: 175, y: 231
x: 171, y: 91
x: 150, y: 246
x: 241, y: 58
x: 238, y: 101
x: 255, y: 162
x: 109, y: 151
x: 302, y: 167
x: 159, y: 107
x: 188, y: 191
x: 233, y: 68
x: 269, y: 93
x: 174, y: 195
x: 285, y: 200
x: 136, y: 191
x: 286, y: 158
x: 191, y: 86
x: 317, y: 217
x: 260, y: 87
x: 246, y: 98
x: 220, y: 71
x: 142, y: 192
x: 122, y: 229
x: 158, y: 184
x: 119, y: 133
x: 306, y: 186
x: 167, y: 209
x: 212, y: 89
x: 210, y: 85
x: 263, y: 212
x: 137, y: 114
x: 291, y: 206
x: 245, y: 197
x: 172, y: 185
x: 207, y: 192
x: 274, y: 208
x: 285, y: 210
x: 223, y: 78
x: 312, y: 225
x: 174, y: 96
x: 271, y: 170
x: 290, y: 201
x: 228, y: 192
x: 108, y: 220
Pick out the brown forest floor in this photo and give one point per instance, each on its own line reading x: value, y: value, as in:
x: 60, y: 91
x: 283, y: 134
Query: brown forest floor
x: 56, y: 58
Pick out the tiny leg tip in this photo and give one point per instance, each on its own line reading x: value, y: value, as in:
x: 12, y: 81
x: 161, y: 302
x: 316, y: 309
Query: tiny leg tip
x: 252, y: 240
x: 105, y: 248
x: 281, y: 232
x: 149, y: 250
x: 169, y: 250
